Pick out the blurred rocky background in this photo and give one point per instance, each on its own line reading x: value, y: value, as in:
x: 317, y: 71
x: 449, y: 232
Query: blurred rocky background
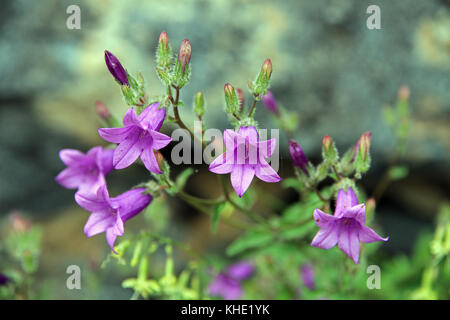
x: 328, y: 67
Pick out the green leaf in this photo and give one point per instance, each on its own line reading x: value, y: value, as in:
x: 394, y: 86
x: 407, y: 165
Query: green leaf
x: 291, y: 183
x: 398, y: 172
x: 298, y: 232
x: 252, y: 239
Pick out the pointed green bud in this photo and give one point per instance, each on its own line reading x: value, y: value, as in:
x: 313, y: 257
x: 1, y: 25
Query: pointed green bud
x: 262, y: 83
x: 329, y: 151
x: 164, y: 52
x: 182, y: 69
x: 199, y: 104
x: 231, y: 99
x: 362, y: 159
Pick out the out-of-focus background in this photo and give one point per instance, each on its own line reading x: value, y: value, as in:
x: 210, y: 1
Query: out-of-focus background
x: 328, y: 67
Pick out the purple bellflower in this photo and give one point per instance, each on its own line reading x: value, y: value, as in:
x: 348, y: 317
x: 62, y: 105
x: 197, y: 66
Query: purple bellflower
x: 244, y: 159
x: 346, y: 227
x: 139, y: 137
x: 85, y: 171
x: 110, y: 214
x: 116, y: 69
x: 228, y: 284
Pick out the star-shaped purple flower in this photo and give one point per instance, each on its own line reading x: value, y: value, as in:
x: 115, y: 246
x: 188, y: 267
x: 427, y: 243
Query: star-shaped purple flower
x: 139, y: 137
x: 109, y: 214
x: 346, y: 227
x: 85, y: 171
x: 228, y: 284
x: 245, y: 158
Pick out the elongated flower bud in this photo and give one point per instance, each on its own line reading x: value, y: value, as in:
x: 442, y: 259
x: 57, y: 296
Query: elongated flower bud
x: 327, y: 142
x: 199, y: 104
x: 403, y: 93
x: 159, y: 159
x: 364, y: 144
x: 298, y: 156
x: 271, y: 104
x: 231, y: 99
x: 184, y: 55
x: 163, y: 53
x: 241, y: 98
x: 116, y: 69
x: 102, y: 110
x: 266, y: 70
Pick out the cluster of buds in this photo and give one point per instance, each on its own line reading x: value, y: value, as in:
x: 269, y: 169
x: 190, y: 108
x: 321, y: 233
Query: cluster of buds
x: 260, y: 86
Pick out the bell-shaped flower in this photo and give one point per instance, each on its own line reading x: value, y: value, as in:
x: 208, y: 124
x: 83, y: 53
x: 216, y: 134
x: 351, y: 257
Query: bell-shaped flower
x: 85, y: 171
x: 244, y: 158
x: 346, y: 227
x: 110, y: 214
x: 138, y: 138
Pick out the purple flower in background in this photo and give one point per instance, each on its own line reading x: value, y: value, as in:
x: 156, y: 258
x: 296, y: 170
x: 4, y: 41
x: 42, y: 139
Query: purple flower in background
x: 307, y: 274
x: 228, y: 284
x: 109, y: 214
x: 346, y: 227
x: 139, y: 137
x: 3, y: 280
x: 298, y: 156
x: 271, y: 104
x: 85, y: 171
x: 244, y: 159
x: 116, y: 69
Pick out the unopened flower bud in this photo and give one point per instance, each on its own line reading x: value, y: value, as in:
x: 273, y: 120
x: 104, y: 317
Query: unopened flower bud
x: 116, y: 69
x: 271, y: 104
x: 403, y: 93
x: 102, y: 110
x: 364, y: 144
x: 370, y: 205
x: 298, y: 156
x: 19, y: 222
x: 231, y: 98
x: 327, y: 142
x: 184, y: 55
x: 159, y: 159
x: 199, y: 104
x: 163, y: 53
x: 266, y: 70
x: 164, y: 41
x: 241, y: 98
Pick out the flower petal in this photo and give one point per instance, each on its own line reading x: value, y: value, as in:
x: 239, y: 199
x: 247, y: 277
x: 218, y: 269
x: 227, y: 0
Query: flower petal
x: 357, y: 212
x: 344, y: 201
x: 367, y: 235
x: 152, y: 117
x: 106, y: 161
x: 98, y: 222
x: 70, y: 178
x: 130, y: 203
x: 131, y: 118
x: 241, y: 177
x: 266, y: 173
x: 71, y: 157
x: 323, y: 219
x: 115, y: 135
x: 251, y: 133
x: 111, y: 237
x: 160, y: 140
x: 349, y: 241
x: 94, y: 202
x: 222, y: 164
x: 232, y: 139
x: 128, y: 150
x: 240, y: 270
x: 326, y: 238
x: 149, y: 160
x: 267, y: 147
